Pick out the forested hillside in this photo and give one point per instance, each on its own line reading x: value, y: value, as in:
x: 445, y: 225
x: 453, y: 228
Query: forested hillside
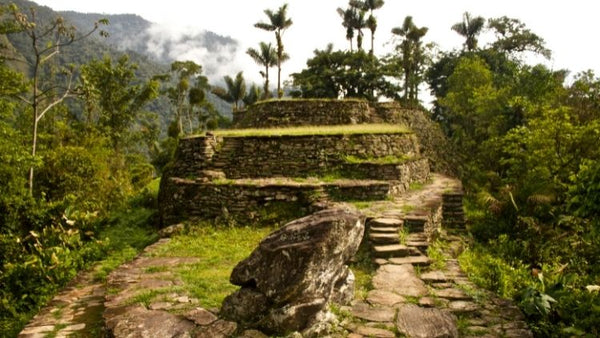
x: 125, y: 34
x: 89, y: 122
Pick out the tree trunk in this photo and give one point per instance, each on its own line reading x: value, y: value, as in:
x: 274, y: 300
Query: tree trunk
x: 266, y: 93
x: 279, y: 56
x: 33, y: 149
x: 372, y: 42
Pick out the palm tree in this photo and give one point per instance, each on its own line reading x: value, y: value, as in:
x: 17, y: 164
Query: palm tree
x: 359, y: 23
x: 412, y: 55
x: 371, y: 23
x: 235, y: 92
x: 469, y: 28
x: 265, y: 56
x: 347, y: 16
x: 252, y: 96
x: 279, y: 22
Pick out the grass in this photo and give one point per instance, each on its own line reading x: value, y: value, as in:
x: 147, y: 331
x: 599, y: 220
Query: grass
x: 127, y: 234
x: 436, y: 253
x: 403, y: 235
x: 218, y: 250
x: 377, y: 160
x: 363, y: 269
x: 416, y: 186
x: 316, y: 130
x: 146, y: 297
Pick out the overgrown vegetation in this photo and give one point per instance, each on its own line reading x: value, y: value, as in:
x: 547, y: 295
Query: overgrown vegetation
x: 35, y: 266
x: 527, y: 145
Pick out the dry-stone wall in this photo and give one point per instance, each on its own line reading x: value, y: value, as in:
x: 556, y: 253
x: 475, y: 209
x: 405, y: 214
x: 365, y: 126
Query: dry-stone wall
x: 290, y: 156
x: 243, y: 202
x: 434, y: 144
x: 315, y: 112
x: 216, y: 177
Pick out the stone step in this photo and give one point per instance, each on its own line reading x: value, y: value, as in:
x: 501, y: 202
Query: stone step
x: 421, y: 245
x: 384, y: 238
x: 414, y: 260
x: 417, y: 237
x: 394, y: 250
x: 415, y: 223
x: 383, y: 230
x: 385, y: 222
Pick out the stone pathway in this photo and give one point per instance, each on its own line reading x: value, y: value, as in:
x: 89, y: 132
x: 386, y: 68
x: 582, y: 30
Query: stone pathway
x: 412, y: 294
x: 76, y: 311
x: 409, y: 296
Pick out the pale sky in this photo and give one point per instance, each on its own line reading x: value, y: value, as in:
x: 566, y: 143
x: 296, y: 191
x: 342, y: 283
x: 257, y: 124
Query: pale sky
x: 568, y: 27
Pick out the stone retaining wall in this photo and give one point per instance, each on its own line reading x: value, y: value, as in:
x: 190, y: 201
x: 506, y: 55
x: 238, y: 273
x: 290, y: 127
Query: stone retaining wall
x: 183, y: 199
x: 282, y: 113
x: 290, y: 156
x: 434, y: 143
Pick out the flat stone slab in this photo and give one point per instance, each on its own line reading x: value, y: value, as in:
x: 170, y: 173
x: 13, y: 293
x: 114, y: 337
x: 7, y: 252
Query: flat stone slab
x: 201, y: 316
x: 386, y: 238
x: 418, y: 244
x: 392, y: 250
x: 442, y: 285
x: 400, y: 279
x: 434, y: 277
x: 461, y: 306
x: 375, y: 332
x: 385, y: 298
x: 427, y: 302
x: 417, y: 236
x: 414, y: 260
x: 417, y: 322
x: 452, y: 294
x: 218, y: 329
x: 386, y: 230
x: 372, y: 313
x: 139, y: 322
x: 385, y: 222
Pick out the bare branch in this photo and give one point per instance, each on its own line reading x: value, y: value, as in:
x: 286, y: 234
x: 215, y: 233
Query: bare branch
x: 57, y: 101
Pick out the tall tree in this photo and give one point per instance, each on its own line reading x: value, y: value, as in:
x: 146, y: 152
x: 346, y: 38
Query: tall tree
x: 514, y: 37
x: 279, y: 22
x: 187, y: 91
x: 412, y: 56
x: 235, y: 92
x: 470, y: 28
x: 371, y: 23
x: 252, y: 95
x: 46, y: 40
x: 118, y: 97
x: 359, y: 23
x: 348, y: 17
x: 265, y: 56
x: 334, y: 74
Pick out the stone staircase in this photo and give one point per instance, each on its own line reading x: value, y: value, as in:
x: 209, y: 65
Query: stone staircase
x: 411, y: 297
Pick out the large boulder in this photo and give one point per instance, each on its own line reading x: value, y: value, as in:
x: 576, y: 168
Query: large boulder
x: 288, y: 280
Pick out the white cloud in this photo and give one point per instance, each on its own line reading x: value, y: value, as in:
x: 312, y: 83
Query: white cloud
x: 316, y: 23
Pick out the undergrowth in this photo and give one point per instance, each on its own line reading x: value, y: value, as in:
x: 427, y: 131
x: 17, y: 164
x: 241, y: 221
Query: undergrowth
x: 36, y: 267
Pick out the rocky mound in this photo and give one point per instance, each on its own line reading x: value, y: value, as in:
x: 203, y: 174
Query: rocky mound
x: 288, y: 281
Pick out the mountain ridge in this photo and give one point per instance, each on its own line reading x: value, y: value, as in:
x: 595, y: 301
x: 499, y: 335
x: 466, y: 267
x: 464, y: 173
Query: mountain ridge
x: 129, y: 34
